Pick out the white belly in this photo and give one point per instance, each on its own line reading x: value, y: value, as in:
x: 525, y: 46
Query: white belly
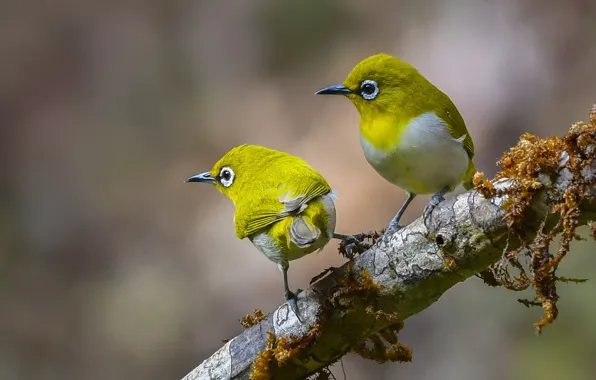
x: 426, y: 160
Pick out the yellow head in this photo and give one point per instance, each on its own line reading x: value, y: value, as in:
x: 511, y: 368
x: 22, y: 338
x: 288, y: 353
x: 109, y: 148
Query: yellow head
x: 264, y: 184
x: 248, y: 173
x: 241, y: 165
x: 389, y: 94
x: 381, y: 83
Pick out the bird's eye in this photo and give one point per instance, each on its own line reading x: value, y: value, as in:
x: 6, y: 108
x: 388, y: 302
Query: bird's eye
x: 226, y: 177
x: 369, y: 89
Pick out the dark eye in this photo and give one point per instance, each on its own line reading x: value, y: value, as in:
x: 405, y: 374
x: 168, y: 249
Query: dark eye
x: 369, y: 89
x: 226, y: 176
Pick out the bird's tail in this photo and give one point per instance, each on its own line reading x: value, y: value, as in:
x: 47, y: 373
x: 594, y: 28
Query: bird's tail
x: 468, y: 183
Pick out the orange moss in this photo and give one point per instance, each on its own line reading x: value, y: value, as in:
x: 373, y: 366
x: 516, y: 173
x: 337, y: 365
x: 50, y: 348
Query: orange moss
x: 279, y: 351
x: 261, y: 367
x: 255, y: 318
x: 384, y: 346
x: 288, y: 348
x: 354, y: 285
x: 392, y: 317
x: 529, y: 167
x: 367, y: 281
x: 449, y: 263
x: 522, y: 164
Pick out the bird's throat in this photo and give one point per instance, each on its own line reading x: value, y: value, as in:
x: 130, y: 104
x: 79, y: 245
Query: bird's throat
x: 383, y: 132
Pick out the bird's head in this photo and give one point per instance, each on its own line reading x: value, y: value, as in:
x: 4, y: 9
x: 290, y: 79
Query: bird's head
x: 232, y: 170
x: 376, y: 84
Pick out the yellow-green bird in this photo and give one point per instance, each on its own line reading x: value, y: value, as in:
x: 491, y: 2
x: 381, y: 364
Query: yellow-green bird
x: 410, y: 131
x: 283, y: 205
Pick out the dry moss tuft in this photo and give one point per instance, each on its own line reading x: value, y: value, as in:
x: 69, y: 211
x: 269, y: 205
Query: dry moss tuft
x: 249, y: 320
x: 530, y: 167
x: 261, y: 367
x: 523, y: 164
x: 449, y: 262
x: 384, y: 346
x: 288, y: 348
x: 279, y: 351
x: 354, y: 285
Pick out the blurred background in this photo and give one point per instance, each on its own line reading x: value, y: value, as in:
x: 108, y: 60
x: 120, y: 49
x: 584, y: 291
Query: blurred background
x: 112, y: 268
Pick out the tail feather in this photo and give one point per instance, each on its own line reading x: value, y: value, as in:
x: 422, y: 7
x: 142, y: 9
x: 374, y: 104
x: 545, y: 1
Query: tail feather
x: 303, y: 233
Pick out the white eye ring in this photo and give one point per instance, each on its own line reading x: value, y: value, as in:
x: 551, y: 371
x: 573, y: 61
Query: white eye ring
x: 226, y: 176
x: 369, y: 95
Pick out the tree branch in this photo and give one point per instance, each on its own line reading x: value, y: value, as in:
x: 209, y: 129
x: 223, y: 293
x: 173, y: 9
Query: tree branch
x: 412, y: 269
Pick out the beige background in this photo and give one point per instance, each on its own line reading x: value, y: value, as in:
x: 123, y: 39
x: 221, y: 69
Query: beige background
x: 112, y: 268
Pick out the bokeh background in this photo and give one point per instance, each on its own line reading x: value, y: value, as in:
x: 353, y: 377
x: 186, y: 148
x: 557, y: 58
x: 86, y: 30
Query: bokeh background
x: 112, y: 268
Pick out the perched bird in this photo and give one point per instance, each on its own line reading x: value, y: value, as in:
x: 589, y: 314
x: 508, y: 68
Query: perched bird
x: 283, y: 205
x: 410, y: 131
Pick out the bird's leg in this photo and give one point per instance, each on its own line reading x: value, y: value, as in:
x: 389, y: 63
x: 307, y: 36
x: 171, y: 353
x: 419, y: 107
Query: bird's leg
x: 434, y: 202
x: 394, y: 224
x: 290, y: 296
x: 351, y: 239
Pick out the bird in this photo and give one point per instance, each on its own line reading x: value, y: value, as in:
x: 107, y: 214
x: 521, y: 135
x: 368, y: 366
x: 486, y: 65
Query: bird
x: 282, y: 205
x: 411, y: 132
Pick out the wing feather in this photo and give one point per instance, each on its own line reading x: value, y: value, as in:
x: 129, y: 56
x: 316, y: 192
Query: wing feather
x: 279, y: 203
x: 459, y: 130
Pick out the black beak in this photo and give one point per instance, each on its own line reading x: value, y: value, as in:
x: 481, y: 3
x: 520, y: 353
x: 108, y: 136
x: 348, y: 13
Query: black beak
x: 336, y: 89
x: 201, y: 177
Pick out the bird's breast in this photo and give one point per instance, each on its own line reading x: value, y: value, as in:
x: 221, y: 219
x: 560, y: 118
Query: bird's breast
x: 423, y: 159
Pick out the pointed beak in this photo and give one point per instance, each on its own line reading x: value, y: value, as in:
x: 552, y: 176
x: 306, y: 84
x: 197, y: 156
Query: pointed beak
x: 201, y: 177
x: 336, y: 89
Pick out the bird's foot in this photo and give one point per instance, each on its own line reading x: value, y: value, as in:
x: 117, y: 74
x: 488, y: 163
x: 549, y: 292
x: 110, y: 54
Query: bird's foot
x: 293, y: 301
x: 352, y: 244
x: 392, y: 228
x: 434, y: 202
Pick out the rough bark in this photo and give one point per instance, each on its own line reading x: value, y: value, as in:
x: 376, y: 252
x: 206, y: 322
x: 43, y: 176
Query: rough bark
x: 414, y: 267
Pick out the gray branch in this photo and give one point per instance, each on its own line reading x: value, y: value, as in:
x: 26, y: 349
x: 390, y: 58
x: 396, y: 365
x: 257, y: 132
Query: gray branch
x: 412, y: 271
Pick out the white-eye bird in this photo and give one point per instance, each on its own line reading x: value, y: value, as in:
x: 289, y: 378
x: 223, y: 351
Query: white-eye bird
x: 410, y: 131
x: 283, y: 205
